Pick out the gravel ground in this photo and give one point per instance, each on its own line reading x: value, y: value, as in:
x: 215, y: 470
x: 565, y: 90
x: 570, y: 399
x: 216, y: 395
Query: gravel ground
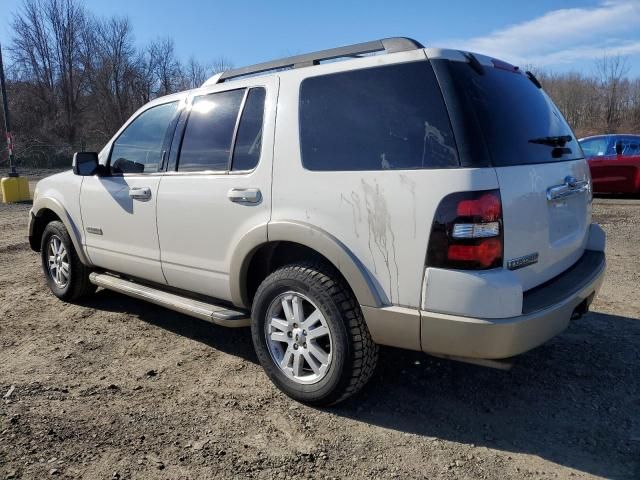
x: 114, y: 388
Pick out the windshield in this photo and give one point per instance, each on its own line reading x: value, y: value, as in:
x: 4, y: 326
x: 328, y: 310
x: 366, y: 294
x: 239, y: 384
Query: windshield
x: 518, y: 121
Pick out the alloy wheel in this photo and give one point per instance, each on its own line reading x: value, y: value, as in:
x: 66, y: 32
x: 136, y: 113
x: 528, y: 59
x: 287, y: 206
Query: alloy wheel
x: 58, y: 262
x: 298, y: 338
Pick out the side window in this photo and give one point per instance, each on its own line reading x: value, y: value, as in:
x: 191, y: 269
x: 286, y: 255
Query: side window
x: 595, y: 147
x: 381, y: 118
x: 630, y: 146
x: 246, y: 151
x: 208, y: 136
x: 139, y: 148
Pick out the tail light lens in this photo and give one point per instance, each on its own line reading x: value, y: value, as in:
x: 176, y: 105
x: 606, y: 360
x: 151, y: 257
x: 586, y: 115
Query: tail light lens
x: 487, y: 207
x: 467, y: 231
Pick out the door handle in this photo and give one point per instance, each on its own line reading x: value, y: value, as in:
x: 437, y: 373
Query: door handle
x: 140, y: 193
x: 571, y: 186
x: 245, y: 195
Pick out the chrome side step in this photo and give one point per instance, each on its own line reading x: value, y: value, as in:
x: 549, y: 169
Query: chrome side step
x: 217, y: 314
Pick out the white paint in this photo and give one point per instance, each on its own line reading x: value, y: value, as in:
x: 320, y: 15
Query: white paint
x: 495, y: 293
x: 557, y: 230
x: 199, y: 227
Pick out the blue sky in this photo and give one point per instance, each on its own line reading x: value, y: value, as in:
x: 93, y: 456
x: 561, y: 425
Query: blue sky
x: 555, y: 35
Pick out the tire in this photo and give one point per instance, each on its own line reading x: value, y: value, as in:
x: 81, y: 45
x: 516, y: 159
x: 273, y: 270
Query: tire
x: 323, y: 300
x: 66, y: 275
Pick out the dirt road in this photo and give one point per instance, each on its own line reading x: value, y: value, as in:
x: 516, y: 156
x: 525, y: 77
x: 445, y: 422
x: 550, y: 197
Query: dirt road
x: 115, y: 388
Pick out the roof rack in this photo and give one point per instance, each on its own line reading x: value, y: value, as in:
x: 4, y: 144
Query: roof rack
x: 388, y: 45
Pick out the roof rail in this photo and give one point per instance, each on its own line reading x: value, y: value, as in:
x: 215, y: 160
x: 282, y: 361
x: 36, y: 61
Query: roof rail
x: 388, y: 45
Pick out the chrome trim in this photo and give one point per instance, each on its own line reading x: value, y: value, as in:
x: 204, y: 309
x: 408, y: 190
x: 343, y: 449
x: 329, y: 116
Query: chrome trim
x: 524, y: 261
x: 202, y: 173
x: 476, y: 230
x: 94, y: 230
x: 245, y: 195
x: 140, y: 193
x: 571, y: 186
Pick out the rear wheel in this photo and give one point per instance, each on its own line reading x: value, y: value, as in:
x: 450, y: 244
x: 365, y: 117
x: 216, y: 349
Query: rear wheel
x: 67, y: 276
x: 310, y: 336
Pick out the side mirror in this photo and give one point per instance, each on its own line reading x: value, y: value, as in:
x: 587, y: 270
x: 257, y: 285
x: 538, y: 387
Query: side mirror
x: 619, y: 148
x: 85, y: 163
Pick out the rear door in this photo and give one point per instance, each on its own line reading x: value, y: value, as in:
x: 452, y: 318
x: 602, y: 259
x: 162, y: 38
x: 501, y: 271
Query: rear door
x: 543, y: 177
x: 218, y: 188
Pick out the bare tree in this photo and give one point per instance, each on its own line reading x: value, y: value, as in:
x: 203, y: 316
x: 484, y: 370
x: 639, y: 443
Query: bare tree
x: 110, y: 59
x: 576, y: 95
x: 144, y: 81
x: 195, y: 74
x: 46, y: 49
x: 74, y: 77
x: 632, y: 118
x: 220, y: 64
x: 165, y: 67
x: 611, y: 72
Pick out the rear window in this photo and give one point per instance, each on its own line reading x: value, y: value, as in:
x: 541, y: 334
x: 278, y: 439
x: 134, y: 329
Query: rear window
x: 512, y: 113
x: 382, y: 118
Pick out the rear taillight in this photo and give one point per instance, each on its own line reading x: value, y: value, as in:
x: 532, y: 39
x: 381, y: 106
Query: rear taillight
x: 467, y: 231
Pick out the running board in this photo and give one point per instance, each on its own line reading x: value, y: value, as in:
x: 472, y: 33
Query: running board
x: 223, y: 316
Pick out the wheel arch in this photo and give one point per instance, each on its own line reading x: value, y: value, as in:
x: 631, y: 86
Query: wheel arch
x: 46, y: 210
x: 287, y: 241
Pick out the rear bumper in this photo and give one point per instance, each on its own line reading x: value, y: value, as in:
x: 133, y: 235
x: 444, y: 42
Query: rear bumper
x: 544, y: 312
x: 547, y: 310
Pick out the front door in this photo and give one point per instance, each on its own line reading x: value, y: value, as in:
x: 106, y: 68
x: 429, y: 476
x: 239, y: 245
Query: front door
x: 219, y: 185
x: 119, y: 209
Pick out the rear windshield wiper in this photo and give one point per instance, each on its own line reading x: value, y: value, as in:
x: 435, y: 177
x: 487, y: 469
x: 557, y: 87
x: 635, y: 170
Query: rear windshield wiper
x: 557, y: 141
x: 533, y: 79
x: 473, y: 62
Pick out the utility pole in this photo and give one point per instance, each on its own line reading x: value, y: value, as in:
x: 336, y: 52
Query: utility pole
x: 7, y: 123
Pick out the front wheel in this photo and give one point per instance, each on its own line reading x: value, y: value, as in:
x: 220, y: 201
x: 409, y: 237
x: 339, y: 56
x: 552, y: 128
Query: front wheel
x: 67, y: 276
x: 310, y: 336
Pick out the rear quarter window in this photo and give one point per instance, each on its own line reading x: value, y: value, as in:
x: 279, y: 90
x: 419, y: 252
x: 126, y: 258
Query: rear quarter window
x: 382, y: 118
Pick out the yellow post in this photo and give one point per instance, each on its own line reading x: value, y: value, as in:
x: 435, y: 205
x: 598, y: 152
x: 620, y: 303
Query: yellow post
x: 15, y: 189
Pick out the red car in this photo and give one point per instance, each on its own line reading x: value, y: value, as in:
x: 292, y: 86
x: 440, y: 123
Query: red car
x: 614, y: 161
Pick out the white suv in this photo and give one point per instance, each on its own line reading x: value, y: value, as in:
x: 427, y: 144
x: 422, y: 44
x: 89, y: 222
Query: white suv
x: 426, y: 199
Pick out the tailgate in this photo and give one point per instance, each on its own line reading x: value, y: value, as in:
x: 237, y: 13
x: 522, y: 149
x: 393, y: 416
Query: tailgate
x: 515, y: 127
x: 554, y: 228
